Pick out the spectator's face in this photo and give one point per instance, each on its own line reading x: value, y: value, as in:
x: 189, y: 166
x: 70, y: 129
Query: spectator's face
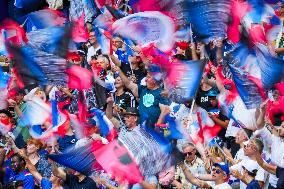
x: 4, y: 118
x: 40, y: 94
x: 189, y: 152
x: 150, y: 82
x: 101, y: 63
x: 240, y: 137
x: 130, y: 120
x: 117, y: 42
x: 198, y: 48
x: 118, y: 82
x: 275, y: 95
x: 31, y: 148
x: 92, y: 37
x: 52, y: 147
x: 213, y: 101
x: 16, y: 164
x: 248, y: 149
x: 217, y: 173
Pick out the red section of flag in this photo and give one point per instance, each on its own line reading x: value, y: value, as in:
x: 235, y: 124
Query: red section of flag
x: 118, y: 162
x: 79, y: 32
x: 79, y: 78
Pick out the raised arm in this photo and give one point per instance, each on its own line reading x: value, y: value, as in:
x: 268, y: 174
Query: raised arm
x: 260, y: 115
x: 128, y: 83
x: 58, y: 172
x: 30, y: 166
x: 192, y: 179
x: 115, y: 60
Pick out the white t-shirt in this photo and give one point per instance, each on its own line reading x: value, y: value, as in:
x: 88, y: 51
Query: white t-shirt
x: 224, y: 185
x: 276, y: 145
x: 261, y: 174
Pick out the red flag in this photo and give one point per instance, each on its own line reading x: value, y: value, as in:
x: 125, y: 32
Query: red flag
x: 79, y: 32
x: 117, y: 161
x: 79, y: 78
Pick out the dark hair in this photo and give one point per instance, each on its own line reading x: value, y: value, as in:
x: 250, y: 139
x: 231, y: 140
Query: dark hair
x: 248, y: 132
x: 20, y: 158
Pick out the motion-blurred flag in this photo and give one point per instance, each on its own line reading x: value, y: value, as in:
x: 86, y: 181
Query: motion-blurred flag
x: 151, y: 5
x: 209, y: 19
x: 184, y: 78
x: 249, y: 91
x: 43, y: 19
x: 149, y: 27
x: 28, y: 69
x: 11, y: 31
x: 80, y: 33
x: 118, y: 162
x: 106, y: 127
x: 80, y: 159
x: 271, y: 68
x: 79, y: 78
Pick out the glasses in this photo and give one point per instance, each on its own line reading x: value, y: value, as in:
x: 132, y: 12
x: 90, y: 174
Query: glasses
x: 218, y: 171
x: 189, y: 153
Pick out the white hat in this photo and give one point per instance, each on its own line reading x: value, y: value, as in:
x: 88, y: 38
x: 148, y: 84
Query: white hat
x: 250, y: 165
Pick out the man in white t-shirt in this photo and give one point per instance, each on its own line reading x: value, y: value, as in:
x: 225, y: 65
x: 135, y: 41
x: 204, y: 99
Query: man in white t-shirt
x: 274, y: 139
x: 249, y: 151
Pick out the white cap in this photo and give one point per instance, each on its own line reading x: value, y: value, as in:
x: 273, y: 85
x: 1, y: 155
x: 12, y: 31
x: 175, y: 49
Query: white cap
x: 250, y: 165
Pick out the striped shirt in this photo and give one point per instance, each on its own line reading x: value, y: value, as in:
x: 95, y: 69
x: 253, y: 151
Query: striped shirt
x: 148, y: 154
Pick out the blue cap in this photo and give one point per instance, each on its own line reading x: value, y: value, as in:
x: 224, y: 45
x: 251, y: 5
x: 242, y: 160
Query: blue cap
x: 224, y: 166
x: 212, y: 93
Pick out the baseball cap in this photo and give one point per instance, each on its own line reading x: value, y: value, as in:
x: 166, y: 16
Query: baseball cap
x: 224, y: 166
x: 212, y: 93
x: 250, y: 165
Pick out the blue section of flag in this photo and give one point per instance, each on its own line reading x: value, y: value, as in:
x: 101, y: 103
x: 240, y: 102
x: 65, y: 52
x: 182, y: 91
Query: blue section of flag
x: 174, y: 132
x: 54, y: 111
x: 272, y: 68
x: 188, y: 85
x: 208, y: 18
x: 104, y: 128
x: 247, y: 89
x: 26, y: 66
x: 79, y: 159
x: 4, y: 78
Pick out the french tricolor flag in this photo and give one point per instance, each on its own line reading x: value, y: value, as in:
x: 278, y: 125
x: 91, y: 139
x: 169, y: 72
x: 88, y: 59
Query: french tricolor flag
x: 106, y: 127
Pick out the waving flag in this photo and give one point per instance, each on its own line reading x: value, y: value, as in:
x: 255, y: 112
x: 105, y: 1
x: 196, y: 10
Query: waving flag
x: 12, y: 32
x: 43, y: 19
x: 184, y: 79
x: 4, y: 79
x: 80, y: 33
x: 151, y: 5
x: 30, y: 72
x: 80, y: 159
x: 272, y: 68
x: 149, y: 27
x: 118, y: 162
x: 249, y: 91
x: 79, y: 78
x: 106, y: 127
x: 208, y: 17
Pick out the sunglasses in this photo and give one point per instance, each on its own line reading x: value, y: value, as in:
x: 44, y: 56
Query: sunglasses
x: 188, y: 153
x: 218, y: 171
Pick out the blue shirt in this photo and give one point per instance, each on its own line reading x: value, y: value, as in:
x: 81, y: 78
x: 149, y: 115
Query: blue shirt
x: 149, y: 104
x: 25, y: 176
x: 45, y: 184
x: 253, y: 185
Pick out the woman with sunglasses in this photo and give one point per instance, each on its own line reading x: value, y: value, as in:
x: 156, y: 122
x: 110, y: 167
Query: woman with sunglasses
x: 219, y: 175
